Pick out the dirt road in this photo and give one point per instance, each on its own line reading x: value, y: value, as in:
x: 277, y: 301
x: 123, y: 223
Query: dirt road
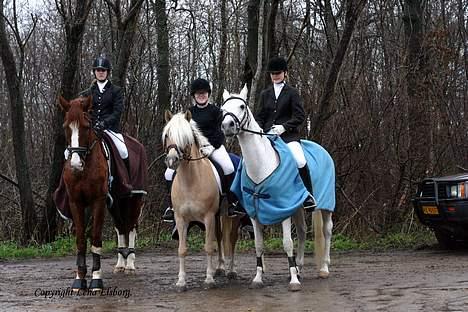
x: 426, y: 280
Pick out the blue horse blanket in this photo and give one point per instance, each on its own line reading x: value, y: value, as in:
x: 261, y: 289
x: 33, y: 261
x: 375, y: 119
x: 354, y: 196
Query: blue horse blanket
x: 283, y: 192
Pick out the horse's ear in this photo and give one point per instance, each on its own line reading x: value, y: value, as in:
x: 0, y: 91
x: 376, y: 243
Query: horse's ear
x: 244, y: 92
x: 87, y: 103
x: 188, y: 115
x: 167, y: 115
x: 226, y: 95
x: 63, y: 104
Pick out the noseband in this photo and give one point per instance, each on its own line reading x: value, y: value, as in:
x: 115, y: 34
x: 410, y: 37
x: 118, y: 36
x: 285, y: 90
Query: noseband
x: 245, y: 120
x: 181, y: 154
x: 82, y: 152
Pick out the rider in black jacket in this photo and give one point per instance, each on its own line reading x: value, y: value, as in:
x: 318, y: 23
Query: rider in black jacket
x: 282, y: 113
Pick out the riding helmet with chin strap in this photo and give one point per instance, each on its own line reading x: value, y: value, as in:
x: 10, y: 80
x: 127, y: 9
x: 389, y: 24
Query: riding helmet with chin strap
x: 277, y: 64
x: 102, y: 63
x: 200, y: 84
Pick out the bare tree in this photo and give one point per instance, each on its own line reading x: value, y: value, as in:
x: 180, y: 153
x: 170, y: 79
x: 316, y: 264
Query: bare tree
x: 353, y: 10
x: 419, y: 145
x: 126, y: 33
x: 15, y: 90
x: 74, y: 16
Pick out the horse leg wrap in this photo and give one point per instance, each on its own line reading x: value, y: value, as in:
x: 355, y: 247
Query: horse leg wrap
x: 260, y: 262
x: 96, y: 261
x: 125, y: 251
x: 81, y: 263
x: 292, y: 263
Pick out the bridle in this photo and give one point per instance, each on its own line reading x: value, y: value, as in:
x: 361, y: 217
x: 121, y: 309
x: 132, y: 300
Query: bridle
x: 82, y: 151
x: 183, y: 154
x: 244, y: 122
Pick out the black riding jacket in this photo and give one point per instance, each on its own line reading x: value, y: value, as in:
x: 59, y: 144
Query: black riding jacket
x: 287, y: 110
x: 107, y: 106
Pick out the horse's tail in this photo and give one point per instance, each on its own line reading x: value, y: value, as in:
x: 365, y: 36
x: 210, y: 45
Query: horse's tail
x: 319, y: 239
x: 226, y: 229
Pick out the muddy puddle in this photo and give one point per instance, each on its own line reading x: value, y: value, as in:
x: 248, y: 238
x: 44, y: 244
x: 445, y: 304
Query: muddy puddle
x: 423, y: 280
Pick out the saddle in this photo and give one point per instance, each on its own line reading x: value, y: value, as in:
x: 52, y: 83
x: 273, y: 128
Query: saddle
x: 123, y: 183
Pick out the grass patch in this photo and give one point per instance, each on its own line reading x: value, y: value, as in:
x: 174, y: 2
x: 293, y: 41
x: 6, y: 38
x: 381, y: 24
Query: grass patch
x: 65, y: 246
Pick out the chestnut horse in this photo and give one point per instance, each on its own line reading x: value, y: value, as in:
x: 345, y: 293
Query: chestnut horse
x: 195, y: 194
x: 86, y: 179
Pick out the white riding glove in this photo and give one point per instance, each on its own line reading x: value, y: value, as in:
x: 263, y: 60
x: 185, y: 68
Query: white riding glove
x: 207, y: 150
x: 277, y: 129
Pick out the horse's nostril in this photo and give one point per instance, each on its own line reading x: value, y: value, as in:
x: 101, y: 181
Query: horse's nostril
x: 231, y: 124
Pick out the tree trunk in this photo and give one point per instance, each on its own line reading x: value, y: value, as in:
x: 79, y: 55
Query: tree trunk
x: 250, y: 65
x: 222, y: 54
x: 74, y: 29
x: 127, y: 26
x: 353, y: 10
x: 162, y: 44
x: 258, y: 71
x: 15, y: 92
x: 419, y: 145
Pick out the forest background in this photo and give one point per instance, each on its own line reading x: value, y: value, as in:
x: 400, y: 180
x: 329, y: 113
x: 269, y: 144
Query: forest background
x: 384, y: 84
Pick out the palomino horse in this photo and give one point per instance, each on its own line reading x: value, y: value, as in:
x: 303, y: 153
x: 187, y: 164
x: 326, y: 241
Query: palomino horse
x: 86, y: 179
x: 261, y: 160
x: 195, y: 192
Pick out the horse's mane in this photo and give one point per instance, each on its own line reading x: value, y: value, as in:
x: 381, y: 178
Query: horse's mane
x: 183, y: 132
x: 76, y: 113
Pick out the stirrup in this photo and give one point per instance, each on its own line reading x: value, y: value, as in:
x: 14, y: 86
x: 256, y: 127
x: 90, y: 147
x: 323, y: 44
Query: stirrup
x: 310, y: 203
x: 234, y: 211
x: 168, y: 215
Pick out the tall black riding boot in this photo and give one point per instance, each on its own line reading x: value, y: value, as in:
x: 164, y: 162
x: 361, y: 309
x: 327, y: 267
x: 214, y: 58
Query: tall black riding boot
x: 234, y: 208
x: 309, y: 203
x: 168, y: 215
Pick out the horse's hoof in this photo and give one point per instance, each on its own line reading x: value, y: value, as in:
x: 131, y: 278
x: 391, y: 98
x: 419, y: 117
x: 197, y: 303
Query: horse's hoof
x: 256, y: 285
x: 130, y: 271
x: 181, y: 288
x: 295, y: 287
x: 119, y: 269
x: 232, y: 275
x: 96, y: 285
x: 79, y: 284
x: 323, y: 274
x: 220, y: 273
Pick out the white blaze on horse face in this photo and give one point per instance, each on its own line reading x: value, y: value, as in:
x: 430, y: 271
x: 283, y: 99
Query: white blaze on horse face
x: 75, y: 161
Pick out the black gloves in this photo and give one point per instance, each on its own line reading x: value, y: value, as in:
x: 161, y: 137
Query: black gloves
x: 99, y: 126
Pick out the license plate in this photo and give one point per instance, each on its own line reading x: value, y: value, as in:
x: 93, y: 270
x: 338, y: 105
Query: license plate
x: 430, y: 210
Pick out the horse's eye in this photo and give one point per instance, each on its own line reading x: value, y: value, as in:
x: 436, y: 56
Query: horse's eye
x: 242, y: 106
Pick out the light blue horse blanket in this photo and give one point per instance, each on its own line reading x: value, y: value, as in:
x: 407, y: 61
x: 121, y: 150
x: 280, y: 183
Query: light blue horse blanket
x: 283, y: 192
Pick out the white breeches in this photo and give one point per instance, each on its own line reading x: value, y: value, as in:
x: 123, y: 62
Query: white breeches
x: 298, y: 153
x: 221, y: 156
x: 118, y: 140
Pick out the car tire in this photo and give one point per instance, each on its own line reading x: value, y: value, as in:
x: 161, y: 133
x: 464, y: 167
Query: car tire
x: 446, y: 239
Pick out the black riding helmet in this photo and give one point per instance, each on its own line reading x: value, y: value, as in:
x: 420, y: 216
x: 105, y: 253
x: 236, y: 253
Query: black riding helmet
x: 102, y: 63
x: 277, y: 64
x: 200, y: 84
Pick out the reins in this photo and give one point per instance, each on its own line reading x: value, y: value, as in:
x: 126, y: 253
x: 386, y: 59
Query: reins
x: 245, y: 121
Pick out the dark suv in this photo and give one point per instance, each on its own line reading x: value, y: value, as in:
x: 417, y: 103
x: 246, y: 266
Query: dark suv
x: 441, y: 203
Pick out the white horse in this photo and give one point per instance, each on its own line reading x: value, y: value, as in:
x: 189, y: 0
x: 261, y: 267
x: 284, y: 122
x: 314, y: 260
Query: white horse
x: 261, y: 160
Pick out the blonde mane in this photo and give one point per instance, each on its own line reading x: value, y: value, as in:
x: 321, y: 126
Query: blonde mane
x: 183, y: 132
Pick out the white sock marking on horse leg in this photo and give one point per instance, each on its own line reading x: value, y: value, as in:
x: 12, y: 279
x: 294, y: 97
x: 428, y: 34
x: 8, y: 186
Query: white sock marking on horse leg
x: 131, y: 244
x: 120, y: 243
x: 97, y: 274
